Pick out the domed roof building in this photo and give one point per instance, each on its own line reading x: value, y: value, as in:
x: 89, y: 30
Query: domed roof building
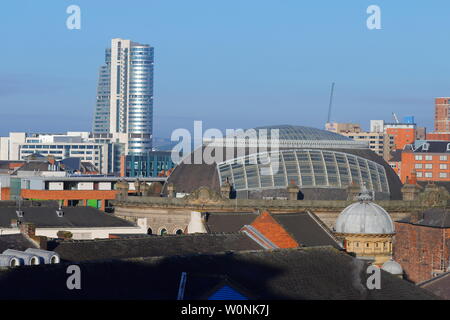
x: 366, y: 229
x: 323, y: 164
x: 393, y: 268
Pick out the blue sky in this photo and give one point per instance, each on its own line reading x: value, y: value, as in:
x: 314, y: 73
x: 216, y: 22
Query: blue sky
x: 232, y: 64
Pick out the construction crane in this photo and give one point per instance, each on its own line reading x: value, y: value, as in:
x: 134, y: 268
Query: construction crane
x: 395, y: 117
x: 331, y: 102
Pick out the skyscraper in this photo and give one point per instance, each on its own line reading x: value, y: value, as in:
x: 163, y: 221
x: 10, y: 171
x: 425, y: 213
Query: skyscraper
x: 124, y: 109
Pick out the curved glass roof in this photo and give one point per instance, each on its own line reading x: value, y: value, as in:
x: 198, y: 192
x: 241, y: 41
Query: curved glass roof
x: 306, y: 168
x: 288, y: 132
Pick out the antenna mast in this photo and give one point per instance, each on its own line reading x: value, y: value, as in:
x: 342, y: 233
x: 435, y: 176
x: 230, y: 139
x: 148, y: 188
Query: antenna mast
x: 331, y: 102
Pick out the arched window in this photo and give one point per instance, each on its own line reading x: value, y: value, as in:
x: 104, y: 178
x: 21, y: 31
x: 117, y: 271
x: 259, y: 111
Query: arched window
x: 149, y: 231
x: 163, y: 232
x: 179, y: 232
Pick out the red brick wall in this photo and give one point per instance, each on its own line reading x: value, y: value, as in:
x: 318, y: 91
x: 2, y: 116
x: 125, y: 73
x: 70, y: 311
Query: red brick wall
x: 5, y: 194
x: 409, y: 162
x: 273, y: 231
x: 66, y: 195
x: 438, y: 136
x: 402, y: 136
x: 419, y: 250
x: 441, y: 117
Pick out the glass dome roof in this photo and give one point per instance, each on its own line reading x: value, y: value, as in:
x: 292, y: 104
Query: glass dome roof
x: 289, y: 132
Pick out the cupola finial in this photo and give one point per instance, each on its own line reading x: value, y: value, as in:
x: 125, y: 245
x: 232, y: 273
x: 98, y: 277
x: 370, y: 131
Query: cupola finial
x: 365, y: 195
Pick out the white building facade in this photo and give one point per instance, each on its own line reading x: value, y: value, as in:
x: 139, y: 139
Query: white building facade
x: 124, y: 107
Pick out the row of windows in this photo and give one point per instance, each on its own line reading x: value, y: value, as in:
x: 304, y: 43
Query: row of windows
x: 60, y: 146
x: 442, y: 175
x: 442, y: 166
x: 430, y: 158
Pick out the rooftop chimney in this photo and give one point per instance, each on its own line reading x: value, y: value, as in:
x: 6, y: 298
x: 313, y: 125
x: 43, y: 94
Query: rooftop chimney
x: 28, y: 229
x: 197, y: 223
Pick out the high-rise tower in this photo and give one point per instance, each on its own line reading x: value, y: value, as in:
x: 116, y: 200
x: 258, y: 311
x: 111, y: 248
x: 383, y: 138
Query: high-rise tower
x: 124, y: 108
x: 442, y: 115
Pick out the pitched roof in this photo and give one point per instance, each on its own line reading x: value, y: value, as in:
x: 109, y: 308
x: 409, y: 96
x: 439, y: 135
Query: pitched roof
x: 228, y: 222
x: 293, y: 274
x: 434, y: 147
x: 307, y: 229
x: 273, y: 231
x: 74, y: 217
x: 434, y: 217
x: 440, y: 286
x: 396, y: 155
x: 36, y: 165
x: 151, y: 246
x: 15, y: 241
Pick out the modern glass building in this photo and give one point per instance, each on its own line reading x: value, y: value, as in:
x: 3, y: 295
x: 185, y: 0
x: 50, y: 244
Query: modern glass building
x: 125, y: 95
x: 148, y: 165
x: 322, y: 164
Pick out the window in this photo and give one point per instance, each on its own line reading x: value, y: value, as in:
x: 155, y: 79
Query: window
x: 418, y: 166
x: 443, y: 166
x: 443, y: 175
x: 419, y: 174
x: 428, y: 166
x: 419, y: 158
x: 443, y: 158
x: 428, y: 158
x: 163, y: 232
x: 428, y: 175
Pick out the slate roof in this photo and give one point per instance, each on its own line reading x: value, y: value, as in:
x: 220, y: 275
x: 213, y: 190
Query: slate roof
x: 292, y: 274
x: 35, y: 166
x: 396, y: 155
x: 151, y: 246
x: 74, y: 217
x: 15, y: 241
x: 435, y: 217
x: 434, y: 147
x: 439, y: 286
x: 306, y: 229
x: 228, y: 222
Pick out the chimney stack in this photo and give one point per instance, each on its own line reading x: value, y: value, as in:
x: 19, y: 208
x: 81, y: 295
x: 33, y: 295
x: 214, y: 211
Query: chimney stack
x: 197, y: 223
x: 28, y: 229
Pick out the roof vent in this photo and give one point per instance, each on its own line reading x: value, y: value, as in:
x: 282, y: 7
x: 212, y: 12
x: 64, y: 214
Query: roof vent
x: 19, y: 213
x: 60, y: 212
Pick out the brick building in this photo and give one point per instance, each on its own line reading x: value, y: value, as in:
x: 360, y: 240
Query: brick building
x: 403, y: 133
x: 422, y: 244
x: 430, y: 160
x: 441, y: 115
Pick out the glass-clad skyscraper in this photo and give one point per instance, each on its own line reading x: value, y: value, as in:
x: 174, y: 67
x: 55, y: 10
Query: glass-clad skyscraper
x: 124, y: 108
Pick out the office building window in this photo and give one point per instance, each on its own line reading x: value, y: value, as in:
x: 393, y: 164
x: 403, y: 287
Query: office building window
x: 428, y: 175
x: 428, y: 166
x: 419, y: 158
x: 443, y: 175
x: 419, y: 174
x: 443, y: 158
x: 419, y: 166
x: 443, y: 166
x: 428, y: 158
